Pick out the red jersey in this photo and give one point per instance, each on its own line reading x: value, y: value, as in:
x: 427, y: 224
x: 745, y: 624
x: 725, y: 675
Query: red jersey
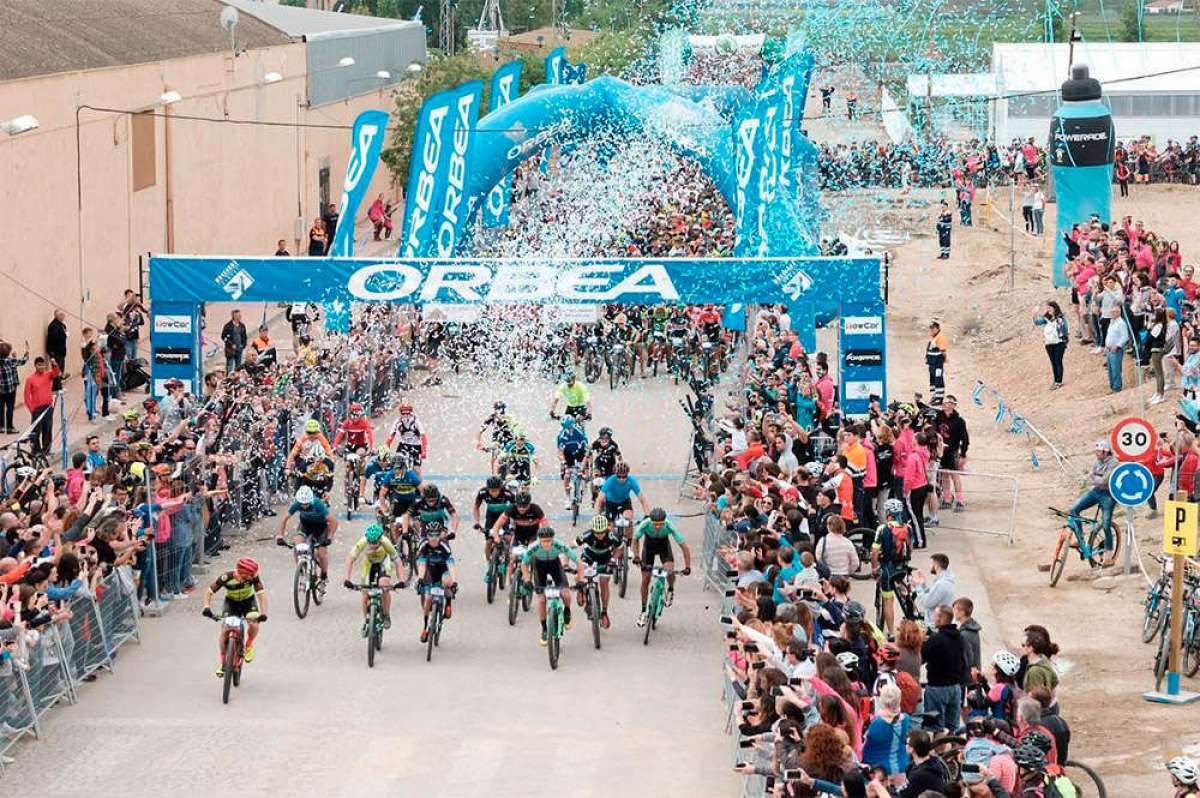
x: 356, y: 432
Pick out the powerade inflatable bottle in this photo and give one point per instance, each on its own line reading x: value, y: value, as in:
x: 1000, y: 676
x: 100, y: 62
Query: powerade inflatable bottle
x: 1081, y: 159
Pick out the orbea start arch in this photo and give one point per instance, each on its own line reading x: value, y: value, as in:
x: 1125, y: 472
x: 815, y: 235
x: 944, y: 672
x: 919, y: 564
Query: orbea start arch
x: 810, y: 287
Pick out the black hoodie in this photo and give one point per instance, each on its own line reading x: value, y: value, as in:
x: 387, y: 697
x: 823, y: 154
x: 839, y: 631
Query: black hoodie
x: 944, y: 655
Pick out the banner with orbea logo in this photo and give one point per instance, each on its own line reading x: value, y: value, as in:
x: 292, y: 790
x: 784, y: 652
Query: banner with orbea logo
x: 457, y: 138
x: 506, y: 87
x: 430, y: 156
x: 370, y: 129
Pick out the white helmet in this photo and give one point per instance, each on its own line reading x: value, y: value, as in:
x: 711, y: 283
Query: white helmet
x: 848, y: 660
x: 893, y: 507
x: 1184, y: 769
x: 1008, y: 662
x: 305, y: 495
x: 814, y: 468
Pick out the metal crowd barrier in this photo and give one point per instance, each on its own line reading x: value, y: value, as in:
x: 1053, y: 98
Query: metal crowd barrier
x: 716, y: 570
x: 45, y: 667
x: 991, y: 495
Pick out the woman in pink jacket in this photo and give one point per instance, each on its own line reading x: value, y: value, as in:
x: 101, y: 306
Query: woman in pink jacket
x: 905, y: 443
x: 916, y: 486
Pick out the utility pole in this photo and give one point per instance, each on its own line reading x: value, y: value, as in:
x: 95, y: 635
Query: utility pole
x: 446, y: 27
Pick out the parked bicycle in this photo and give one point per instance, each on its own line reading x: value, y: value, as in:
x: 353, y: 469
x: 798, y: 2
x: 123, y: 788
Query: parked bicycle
x: 15, y: 456
x: 1158, y: 596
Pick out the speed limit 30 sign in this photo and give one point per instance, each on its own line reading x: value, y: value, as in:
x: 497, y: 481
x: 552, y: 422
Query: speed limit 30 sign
x: 1132, y: 438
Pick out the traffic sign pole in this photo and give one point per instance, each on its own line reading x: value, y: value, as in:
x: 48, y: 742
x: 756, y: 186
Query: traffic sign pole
x: 1179, y: 541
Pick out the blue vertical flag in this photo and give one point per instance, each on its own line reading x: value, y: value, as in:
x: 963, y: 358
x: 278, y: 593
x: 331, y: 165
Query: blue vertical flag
x: 369, y: 132
x: 457, y: 137
x: 506, y: 87
x: 555, y: 62
x: 430, y: 157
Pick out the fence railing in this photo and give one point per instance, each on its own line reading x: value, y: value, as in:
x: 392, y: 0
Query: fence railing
x: 44, y: 667
x: 990, y: 496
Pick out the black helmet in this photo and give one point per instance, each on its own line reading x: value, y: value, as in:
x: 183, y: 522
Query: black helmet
x: 494, y: 483
x: 499, y: 407
x: 431, y: 492
x: 606, y: 431
x: 434, y: 527
x: 658, y: 515
x: 1029, y: 758
x: 523, y: 499
x: 622, y: 469
x: 854, y: 611
x: 545, y: 532
x: 1039, y: 741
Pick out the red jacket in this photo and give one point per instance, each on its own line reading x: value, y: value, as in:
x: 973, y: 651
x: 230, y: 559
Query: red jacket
x: 39, y: 388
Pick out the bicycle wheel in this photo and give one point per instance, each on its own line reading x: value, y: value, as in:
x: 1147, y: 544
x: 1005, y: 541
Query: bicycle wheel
x: 435, y: 620
x: 230, y: 661
x: 1087, y: 781
x: 1191, y: 645
x: 372, y: 631
x: 314, y: 580
x: 623, y: 579
x: 594, y: 613
x: 613, y: 369
x: 1162, y: 659
x: 527, y: 597
x: 1060, y: 560
x: 950, y: 750
x: 552, y: 636
x: 1096, y: 546
x: 1152, y: 618
x: 493, y: 579
x: 591, y: 366
x: 300, y: 589
x: 575, y: 502
x: 651, y: 612
x: 514, y: 600
x: 878, y: 606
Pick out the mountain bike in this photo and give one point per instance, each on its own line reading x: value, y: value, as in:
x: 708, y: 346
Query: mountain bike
x: 497, y: 567
x: 657, y: 352
x: 903, y: 597
x: 618, y: 366
x: 592, y: 605
x: 1158, y: 596
x: 656, y: 601
x: 621, y: 564
x: 306, y: 583
x: 19, y: 454
x: 555, y: 623
x: 374, y: 619
x: 235, y: 650
x: 593, y: 364
x: 520, y: 592
x: 437, y: 616
x: 575, y: 477
x: 353, y: 479
x: 1072, y: 536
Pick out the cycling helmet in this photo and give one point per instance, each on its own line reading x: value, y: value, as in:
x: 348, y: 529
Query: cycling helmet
x: 848, y: 660
x: 545, y: 532
x: 568, y: 422
x: 312, y: 426
x: 599, y: 523
x: 622, y: 469
x: 1184, y: 769
x: 658, y: 515
x: 434, y: 529
x: 854, y: 611
x: 494, y: 483
x: 383, y: 453
x: 1006, y: 662
x: 1029, y: 758
x: 499, y: 407
x: 247, y: 565
x: 24, y: 472
x: 661, y: 312
x: 569, y: 375
x: 890, y: 653
x: 374, y: 533
x: 814, y: 468
x: 1039, y: 741
x: 130, y: 415
x: 304, y: 495
x: 356, y: 408
x: 893, y: 507
x: 431, y: 492
x: 406, y: 408
x: 1103, y: 445
x: 606, y: 431
x: 523, y: 499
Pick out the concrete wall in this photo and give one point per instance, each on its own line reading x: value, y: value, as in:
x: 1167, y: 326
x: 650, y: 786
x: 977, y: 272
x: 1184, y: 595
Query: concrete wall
x: 237, y: 188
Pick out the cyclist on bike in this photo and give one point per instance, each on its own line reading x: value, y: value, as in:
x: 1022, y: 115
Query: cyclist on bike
x: 244, y: 596
x: 408, y: 437
x: 572, y: 453
x: 311, y: 447
x: 356, y: 431
x: 317, y: 527
x: 524, y: 517
x: 574, y: 395
x: 497, y: 500
x: 1185, y: 776
x: 1097, y: 494
x: 614, y: 498
x: 599, y: 544
x: 544, y: 562
x: 656, y: 342
x: 659, y: 532
x: 708, y: 320
x: 890, y: 554
x: 435, y: 564
x: 433, y: 508
x: 500, y: 427
x: 517, y: 459
x: 378, y: 569
x: 396, y: 487
x: 605, y: 453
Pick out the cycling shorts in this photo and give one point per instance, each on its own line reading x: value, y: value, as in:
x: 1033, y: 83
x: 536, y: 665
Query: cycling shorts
x: 572, y: 459
x: 544, y: 570
x: 434, y: 573
x: 524, y: 535
x: 315, y: 534
x: 601, y: 560
x: 370, y: 572
x: 656, y: 547
x: 241, y: 608
x: 890, y: 575
x: 412, y: 451
x: 614, y: 510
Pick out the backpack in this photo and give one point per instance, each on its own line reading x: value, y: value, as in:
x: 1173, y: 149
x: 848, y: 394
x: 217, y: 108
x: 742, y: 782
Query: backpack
x: 901, y: 543
x: 1058, y: 785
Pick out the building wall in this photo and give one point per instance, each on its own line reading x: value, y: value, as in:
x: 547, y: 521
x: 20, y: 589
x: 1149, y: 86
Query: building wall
x: 237, y: 188
x: 1128, y: 128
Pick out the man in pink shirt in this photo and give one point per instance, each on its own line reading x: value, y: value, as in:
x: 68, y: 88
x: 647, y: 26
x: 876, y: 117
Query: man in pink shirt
x: 39, y: 400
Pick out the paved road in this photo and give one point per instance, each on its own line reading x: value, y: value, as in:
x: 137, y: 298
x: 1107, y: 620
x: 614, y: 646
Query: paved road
x: 487, y: 716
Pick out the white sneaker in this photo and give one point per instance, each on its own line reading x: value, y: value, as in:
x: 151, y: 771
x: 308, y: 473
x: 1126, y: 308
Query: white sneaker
x: 641, y: 621
x: 567, y: 505
x: 1097, y: 350
x: 1156, y: 399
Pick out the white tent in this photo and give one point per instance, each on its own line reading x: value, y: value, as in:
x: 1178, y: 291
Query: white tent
x: 1152, y: 88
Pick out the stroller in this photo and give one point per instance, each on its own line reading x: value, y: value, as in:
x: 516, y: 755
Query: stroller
x: 136, y: 375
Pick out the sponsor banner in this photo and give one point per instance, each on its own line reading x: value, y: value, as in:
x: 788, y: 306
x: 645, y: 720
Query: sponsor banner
x: 370, y: 129
x: 863, y: 389
x: 173, y: 355
x: 160, y: 385
x: 573, y: 314
x: 506, y: 87
x: 457, y: 140
x: 1080, y: 152
x: 863, y: 348
x: 423, y: 198
x: 863, y: 357
x: 462, y: 314
x: 548, y: 281
x: 862, y: 325
x: 181, y: 325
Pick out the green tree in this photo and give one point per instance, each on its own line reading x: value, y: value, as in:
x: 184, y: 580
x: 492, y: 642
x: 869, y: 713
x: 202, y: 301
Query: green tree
x: 1131, y: 23
x: 294, y: 3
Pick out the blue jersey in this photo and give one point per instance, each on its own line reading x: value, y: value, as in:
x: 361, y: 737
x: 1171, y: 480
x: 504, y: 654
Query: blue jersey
x: 315, y: 515
x: 617, y: 492
x: 401, y: 483
x: 572, y: 441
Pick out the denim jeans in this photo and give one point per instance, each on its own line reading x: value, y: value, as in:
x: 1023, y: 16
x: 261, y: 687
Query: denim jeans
x: 1088, y: 500
x: 89, y: 395
x: 947, y: 702
x: 1115, y: 362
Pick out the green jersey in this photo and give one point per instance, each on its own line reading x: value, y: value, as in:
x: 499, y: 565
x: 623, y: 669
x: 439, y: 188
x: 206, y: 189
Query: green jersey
x: 539, y: 552
x: 646, y: 530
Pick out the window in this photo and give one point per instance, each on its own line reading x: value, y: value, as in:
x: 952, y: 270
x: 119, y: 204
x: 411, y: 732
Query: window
x: 145, y: 157
x: 1033, y: 105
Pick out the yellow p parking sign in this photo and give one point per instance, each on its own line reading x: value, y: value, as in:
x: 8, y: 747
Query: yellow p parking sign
x: 1179, y: 529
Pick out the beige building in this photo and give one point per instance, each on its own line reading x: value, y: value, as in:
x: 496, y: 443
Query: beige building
x: 192, y: 138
